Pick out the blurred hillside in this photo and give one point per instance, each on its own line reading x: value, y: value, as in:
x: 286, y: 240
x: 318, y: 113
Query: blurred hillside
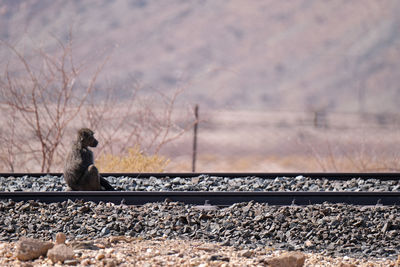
x: 283, y: 55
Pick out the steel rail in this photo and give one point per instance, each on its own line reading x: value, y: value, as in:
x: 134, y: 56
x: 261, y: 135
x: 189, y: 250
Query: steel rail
x: 267, y: 175
x: 214, y: 198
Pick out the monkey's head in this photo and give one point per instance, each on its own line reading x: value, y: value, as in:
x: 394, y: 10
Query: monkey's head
x: 86, y: 138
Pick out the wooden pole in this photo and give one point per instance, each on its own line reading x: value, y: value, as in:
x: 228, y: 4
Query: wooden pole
x: 196, y: 114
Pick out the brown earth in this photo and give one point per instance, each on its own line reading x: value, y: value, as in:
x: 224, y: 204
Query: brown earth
x: 121, y: 251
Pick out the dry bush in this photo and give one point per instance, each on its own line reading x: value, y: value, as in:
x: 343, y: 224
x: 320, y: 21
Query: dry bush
x: 46, y: 99
x: 10, y: 139
x: 41, y: 91
x: 146, y: 120
x: 132, y: 161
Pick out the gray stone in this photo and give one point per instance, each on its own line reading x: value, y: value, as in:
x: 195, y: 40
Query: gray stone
x: 205, y: 183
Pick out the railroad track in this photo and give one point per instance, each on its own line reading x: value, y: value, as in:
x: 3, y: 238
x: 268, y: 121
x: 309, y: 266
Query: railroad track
x: 270, y: 175
x: 219, y: 198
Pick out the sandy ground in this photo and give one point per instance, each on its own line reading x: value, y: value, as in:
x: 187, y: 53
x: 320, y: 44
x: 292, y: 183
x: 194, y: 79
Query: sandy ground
x: 122, y: 251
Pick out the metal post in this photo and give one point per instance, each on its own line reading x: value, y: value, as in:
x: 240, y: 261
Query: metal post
x: 196, y: 114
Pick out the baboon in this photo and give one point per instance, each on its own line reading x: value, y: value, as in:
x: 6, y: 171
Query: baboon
x: 80, y: 174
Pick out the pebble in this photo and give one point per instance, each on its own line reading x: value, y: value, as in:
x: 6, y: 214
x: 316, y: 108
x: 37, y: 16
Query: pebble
x: 86, y: 262
x: 247, y: 254
x: 330, y: 229
x: 71, y: 262
x: 100, y: 256
x: 60, y: 238
x: 292, y: 259
x: 205, y: 183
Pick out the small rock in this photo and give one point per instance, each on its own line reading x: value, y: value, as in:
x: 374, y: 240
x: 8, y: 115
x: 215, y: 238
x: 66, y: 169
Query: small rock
x: 289, y: 259
x: 206, y: 207
x: 109, y: 250
x: 343, y: 264
x: 205, y: 248
x: 30, y: 249
x: 71, y: 262
x: 218, y: 258
x: 110, y: 263
x: 84, y: 209
x: 105, y: 231
x: 299, y: 178
x: 176, y: 180
x: 61, y: 253
x: 86, y: 262
x: 247, y: 254
x: 308, y: 243
x: 100, y: 245
x: 60, y: 238
x: 100, y: 256
x: 385, y: 227
x: 83, y: 245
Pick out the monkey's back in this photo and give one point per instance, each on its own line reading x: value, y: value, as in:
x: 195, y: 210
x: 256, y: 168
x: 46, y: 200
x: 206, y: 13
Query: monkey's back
x: 76, y: 163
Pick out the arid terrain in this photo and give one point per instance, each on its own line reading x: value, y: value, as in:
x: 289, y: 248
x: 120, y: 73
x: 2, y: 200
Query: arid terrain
x: 282, y: 86
x: 251, y: 141
x: 288, y: 142
x: 121, y: 251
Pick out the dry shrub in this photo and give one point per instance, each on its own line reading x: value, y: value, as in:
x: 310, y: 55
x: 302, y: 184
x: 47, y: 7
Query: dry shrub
x: 133, y: 161
x: 45, y: 97
x: 44, y: 92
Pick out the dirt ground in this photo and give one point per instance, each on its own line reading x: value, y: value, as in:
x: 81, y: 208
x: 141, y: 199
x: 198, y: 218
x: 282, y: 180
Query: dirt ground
x: 122, y: 251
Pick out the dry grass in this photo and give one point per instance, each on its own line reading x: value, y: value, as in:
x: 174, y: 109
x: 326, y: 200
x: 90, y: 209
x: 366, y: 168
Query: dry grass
x: 264, y: 142
x: 133, y: 161
x: 288, y: 163
x: 254, y: 142
x: 246, y: 163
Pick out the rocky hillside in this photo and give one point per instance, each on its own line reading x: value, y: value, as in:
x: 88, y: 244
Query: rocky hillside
x: 286, y: 55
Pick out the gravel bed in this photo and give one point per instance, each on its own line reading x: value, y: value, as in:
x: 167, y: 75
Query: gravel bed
x: 206, y: 183
x: 334, y: 230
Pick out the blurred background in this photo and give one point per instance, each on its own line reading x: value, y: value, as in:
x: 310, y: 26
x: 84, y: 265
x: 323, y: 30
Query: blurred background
x: 281, y: 85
